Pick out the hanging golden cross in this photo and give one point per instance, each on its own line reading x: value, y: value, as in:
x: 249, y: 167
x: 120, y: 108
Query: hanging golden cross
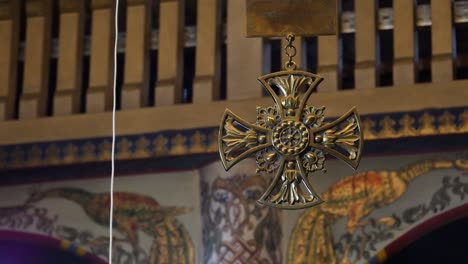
x: 290, y: 138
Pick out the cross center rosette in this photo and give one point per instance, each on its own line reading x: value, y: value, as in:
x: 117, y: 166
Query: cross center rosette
x: 290, y: 137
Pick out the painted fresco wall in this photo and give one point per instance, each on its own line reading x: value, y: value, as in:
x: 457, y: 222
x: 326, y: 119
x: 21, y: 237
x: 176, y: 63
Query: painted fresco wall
x: 369, y: 209
x: 157, y: 217
x: 236, y: 229
x: 210, y: 216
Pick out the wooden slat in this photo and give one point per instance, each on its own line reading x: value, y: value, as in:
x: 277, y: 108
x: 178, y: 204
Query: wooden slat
x: 299, y: 58
x: 170, y: 52
x: 135, y: 90
x: 9, y: 47
x: 442, y: 67
x: 365, y: 43
x: 70, y: 57
x: 328, y: 63
x: 6, y: 35
x: 191, y: 116
x: 244, y: 56
x: 206, y: 85
x: 34, y: 98
x: 403, y: 35
x: 99, y: 95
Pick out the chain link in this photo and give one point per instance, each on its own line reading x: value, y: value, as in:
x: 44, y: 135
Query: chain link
x: 290, y: 51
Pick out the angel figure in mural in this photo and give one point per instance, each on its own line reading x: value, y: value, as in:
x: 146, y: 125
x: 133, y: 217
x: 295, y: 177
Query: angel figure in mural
x: 354, y: 197
x: 133, y: 213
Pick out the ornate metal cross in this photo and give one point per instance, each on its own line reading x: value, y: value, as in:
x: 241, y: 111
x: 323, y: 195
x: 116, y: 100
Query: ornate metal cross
x: 290, y: 138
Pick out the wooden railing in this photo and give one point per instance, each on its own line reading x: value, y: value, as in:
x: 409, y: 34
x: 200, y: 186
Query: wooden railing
x: 56, y: 57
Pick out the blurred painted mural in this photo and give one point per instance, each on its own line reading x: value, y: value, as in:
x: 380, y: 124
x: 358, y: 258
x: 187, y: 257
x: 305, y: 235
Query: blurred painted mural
x: 156, y: 220
x: 356, y: 197
x: 236, y: 229
x: 211, y: 216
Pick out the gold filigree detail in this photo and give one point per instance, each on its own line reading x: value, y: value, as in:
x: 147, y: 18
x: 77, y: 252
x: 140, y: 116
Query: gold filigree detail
x: 160, y: 145
x: 267, y: 117
x: 124, y: 147
x: 406, y: 123
x: 290, y: 137
x: 105, y: 149
x: 34, y: 157
x: 70, y: 153
x: 290, y: 191
x: 447, y: 123
x: 267, y: 160
x: 427, y: 124
x: 178, y: 145
x: 89, y: 152
x: 197, y: 141
x: 290, y: 87
x: 236, y: 140
x: 213, y: 141
x: 388, y: 130
x: 142, y: 148
x: 313, y: 116
x: 345, y: 138
x: 313, y: 160
x: 368, y: 127
x: 53, y: 154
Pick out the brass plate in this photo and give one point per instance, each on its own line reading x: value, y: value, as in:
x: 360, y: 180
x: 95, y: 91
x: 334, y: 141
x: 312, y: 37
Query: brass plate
x: 275, y: 18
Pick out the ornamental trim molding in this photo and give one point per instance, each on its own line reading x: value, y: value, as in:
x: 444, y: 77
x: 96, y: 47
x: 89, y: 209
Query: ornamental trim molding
x: 429, y: 122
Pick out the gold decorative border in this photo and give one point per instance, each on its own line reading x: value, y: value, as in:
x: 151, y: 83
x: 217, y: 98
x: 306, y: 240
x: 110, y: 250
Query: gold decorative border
x: 430, y: 122
x: 413, y: 124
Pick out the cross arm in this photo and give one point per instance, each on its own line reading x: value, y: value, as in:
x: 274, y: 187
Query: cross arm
x: 238, y: 139
x: 342, y: 138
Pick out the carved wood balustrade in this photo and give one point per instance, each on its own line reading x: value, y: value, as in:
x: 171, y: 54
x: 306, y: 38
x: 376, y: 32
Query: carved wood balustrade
x: 181, y: 63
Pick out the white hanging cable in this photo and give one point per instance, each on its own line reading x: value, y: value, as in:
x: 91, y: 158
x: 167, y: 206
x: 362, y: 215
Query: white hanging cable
x: 114, y: 92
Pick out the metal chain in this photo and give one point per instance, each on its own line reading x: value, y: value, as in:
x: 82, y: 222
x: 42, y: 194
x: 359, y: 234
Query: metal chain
x: 290, y: 51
